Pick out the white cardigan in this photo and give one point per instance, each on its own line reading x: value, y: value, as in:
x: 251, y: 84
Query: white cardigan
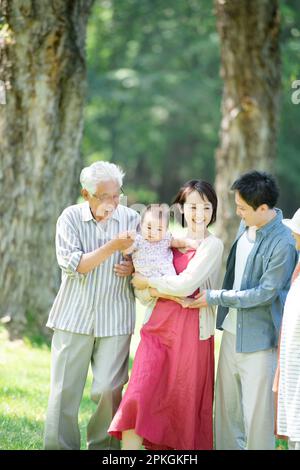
x: 203, y: 271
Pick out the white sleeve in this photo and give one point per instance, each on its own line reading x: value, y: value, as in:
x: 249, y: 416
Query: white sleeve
x: 68, y: 246
x: 206, y: 260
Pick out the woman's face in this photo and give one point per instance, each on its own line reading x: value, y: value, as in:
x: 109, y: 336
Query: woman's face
x: 197, y: 211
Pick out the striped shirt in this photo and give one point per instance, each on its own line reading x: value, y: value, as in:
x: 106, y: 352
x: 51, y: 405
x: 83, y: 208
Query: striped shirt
x: 288, y: 419
x: 98, y: 303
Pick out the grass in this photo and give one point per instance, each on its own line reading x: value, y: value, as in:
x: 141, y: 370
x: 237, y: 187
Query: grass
x: 24, y: 389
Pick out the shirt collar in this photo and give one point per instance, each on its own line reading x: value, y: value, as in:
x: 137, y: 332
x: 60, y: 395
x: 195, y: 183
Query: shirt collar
x: 86, y: 214
x: 265, y: 229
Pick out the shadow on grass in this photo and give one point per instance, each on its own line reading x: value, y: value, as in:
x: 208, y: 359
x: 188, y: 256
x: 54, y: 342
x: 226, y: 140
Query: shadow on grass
x: 36, y: 335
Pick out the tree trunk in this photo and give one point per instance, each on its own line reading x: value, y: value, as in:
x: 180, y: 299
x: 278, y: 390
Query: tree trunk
x: 250, y: 67
x: 42, y: 64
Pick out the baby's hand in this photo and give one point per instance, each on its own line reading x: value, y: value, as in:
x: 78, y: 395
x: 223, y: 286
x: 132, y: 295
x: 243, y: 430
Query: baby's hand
x: 190, y: 243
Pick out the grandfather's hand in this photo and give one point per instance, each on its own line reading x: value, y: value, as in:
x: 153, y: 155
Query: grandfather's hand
x: 139, y: 281
x: 124, y: 240
x: 125, y: 268
x: 200, y: 301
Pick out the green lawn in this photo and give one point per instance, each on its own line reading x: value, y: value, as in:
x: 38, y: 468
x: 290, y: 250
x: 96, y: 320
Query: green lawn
x: 24, y: 388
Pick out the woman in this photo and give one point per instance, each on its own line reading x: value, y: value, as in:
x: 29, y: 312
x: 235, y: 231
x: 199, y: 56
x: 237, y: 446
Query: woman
x: 287, y: 378
x: 169, y: 399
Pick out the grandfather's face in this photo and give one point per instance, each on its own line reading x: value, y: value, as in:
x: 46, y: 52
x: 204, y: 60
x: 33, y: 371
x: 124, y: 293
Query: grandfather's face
x: 104, y: 201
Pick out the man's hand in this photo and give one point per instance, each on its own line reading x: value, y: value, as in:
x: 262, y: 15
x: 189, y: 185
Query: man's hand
x: 186, y: 302
x: 200, y: 301
x: 124, y: 240
x: 139, y: 281
x: 125, y: 268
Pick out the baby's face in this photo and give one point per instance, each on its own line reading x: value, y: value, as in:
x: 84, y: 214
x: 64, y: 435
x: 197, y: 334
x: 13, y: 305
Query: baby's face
x: 154, y: 228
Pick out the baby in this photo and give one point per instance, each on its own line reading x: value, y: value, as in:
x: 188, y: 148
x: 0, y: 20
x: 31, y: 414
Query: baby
x: 151, y: 251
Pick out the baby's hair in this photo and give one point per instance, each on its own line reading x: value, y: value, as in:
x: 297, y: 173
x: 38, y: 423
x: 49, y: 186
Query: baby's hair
x: 158, y: 210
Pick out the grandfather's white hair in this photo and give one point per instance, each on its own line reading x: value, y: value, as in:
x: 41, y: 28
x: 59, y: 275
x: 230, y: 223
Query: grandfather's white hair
x: 100, y: 172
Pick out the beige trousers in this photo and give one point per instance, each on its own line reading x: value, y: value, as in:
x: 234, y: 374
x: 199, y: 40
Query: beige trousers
x: 71, y: 355
x: 294, y: 445
x: 244, y: 407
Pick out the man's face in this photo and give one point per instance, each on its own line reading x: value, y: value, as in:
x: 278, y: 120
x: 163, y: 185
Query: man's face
x: 104, y: 201
x: 250, y: 216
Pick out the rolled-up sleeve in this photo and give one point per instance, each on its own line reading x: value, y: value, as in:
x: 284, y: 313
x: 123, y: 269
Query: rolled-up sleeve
x: 68, y: 247
x: 276, y: 276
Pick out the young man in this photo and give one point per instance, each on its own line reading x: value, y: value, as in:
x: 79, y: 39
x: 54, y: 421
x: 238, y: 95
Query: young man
x: 93, y: 314
x: 257, y: 279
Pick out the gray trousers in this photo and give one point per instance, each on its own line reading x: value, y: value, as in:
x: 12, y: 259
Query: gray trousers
x: 244, y: 407
x: 71, y: 355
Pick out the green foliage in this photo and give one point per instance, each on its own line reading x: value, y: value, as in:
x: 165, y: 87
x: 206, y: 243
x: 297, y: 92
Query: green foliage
x: 154, y: 95
x: 154, y: 92
x: 288, y: 162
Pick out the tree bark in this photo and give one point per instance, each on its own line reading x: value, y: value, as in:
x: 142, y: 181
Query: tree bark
x: 42, y: 64
x: 250, y: 67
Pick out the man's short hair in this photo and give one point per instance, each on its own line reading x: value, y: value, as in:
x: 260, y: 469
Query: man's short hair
x: 257, y: 188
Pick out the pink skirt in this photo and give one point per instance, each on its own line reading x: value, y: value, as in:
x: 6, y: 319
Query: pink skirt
x: 169, y: 399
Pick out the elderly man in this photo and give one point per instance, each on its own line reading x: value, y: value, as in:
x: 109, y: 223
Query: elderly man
x: 93, y: 315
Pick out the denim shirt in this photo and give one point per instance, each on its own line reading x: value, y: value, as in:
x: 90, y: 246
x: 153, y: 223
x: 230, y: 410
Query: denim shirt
x: 265, y: 284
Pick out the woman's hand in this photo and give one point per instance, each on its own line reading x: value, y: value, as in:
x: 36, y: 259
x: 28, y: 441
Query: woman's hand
x: 139, y: 281
x: 155, y: 293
